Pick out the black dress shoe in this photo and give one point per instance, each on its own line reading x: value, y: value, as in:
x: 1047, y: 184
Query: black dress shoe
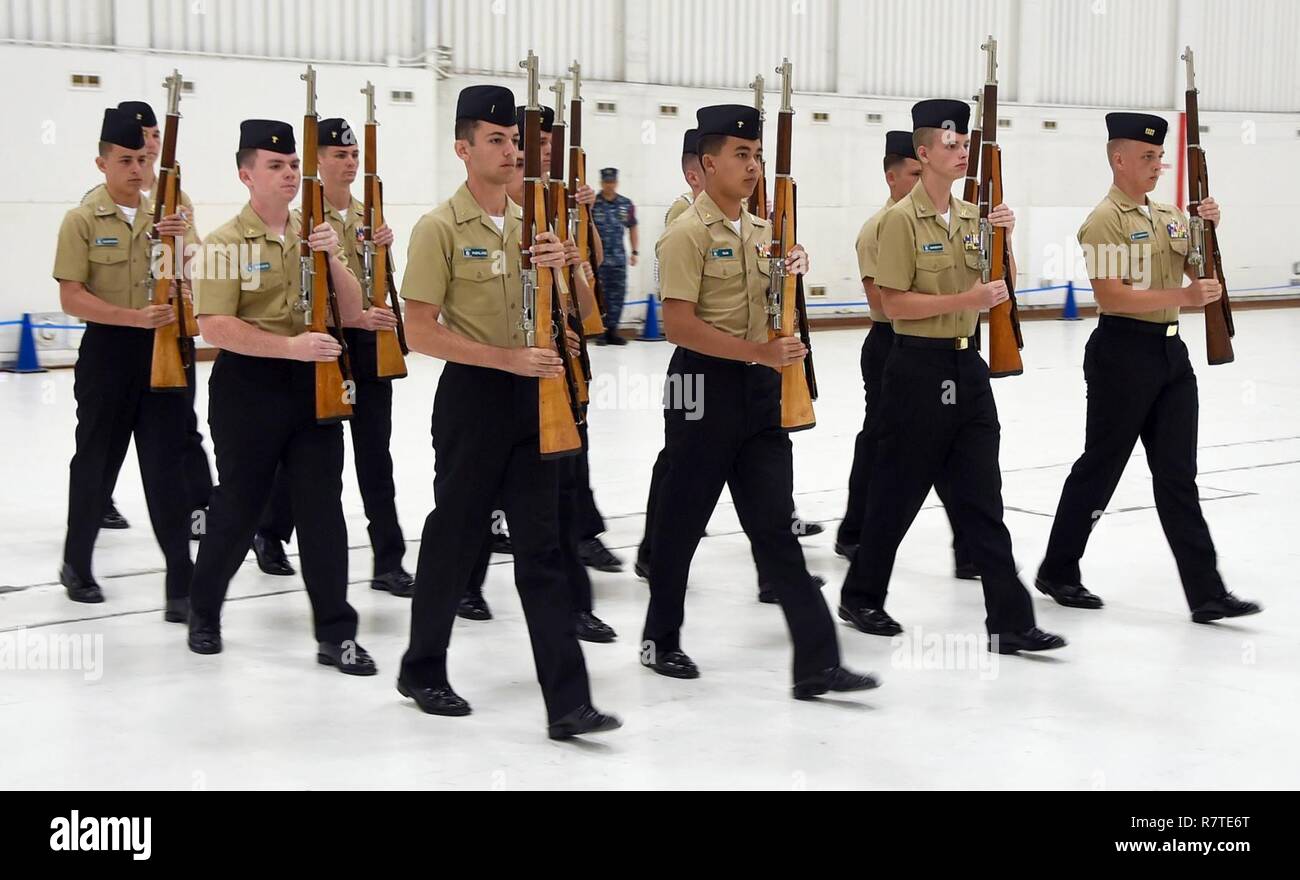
x: 399, y: 583
x: 434, y: 700
x: 673, y: 664
x: 270, y: 556
x: 347, y: 657
x: 601, y: 340
x: 848, y: 551
x: 1226, y: 605
x: 805, y: 529
x: 591, y: 628
x: 615, y: 339
x: 872, y: 621
x: 593, y: 554
x: 1032, y: 639
x: 204, y: 640
x: 474, y: 607
x: 642, y: 569
x: 837, y: 678
x: 966, y: 571
x: 177, y: 610
x: 113, y: 519
x: 501, y: 543
x: 583, y: 719
x: 80, y: 589
x: 1069, y: 595
x: 767, y: 592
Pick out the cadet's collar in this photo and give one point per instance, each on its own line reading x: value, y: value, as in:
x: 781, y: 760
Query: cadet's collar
x: 104, y: 206
x: 1122, y: 199
x: 926, y: 208
x: 710, y: 213
x: 464, y: 207
x: 252, y: 226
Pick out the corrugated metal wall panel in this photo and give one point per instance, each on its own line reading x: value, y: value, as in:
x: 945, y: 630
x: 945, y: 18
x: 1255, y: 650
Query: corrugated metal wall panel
x: 1109, y: 53
x: 491, y: 36
x: 1246, y: 54
x: 906, y: 52
x: 725, y: 42
x: 85, y: 22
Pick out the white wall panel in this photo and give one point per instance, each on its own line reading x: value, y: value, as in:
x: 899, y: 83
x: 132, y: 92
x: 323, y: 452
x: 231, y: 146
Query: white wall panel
x: 491, y: 36
x: 1247, y: 55
x: 85, y: 22
x: 723, y: 43
x: 1109, y: 53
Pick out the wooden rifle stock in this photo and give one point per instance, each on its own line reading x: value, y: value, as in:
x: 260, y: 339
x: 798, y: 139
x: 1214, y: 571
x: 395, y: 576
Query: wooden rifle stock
x: 557, y: 427
x: 1005, y: 340
x: 172, y: 348
x: 582, y: 228
x: 390, y: 345
x: 333, y: 394
x: 796, y: 399
x: 1204, y: 255
x: 579, y: 365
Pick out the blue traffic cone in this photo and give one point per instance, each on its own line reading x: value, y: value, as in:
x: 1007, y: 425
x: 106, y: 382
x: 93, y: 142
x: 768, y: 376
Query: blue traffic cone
x: 651, y: 331
x: 27, y: 361
x: 1070, y: 311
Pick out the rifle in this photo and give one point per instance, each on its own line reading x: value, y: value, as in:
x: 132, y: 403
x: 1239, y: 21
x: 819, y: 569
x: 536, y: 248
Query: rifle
x: 783, y: 298
x: 1204, y: 253
x: 1005, y: 341
x: 758, y: 205
x: 542, y: 320
x: 316, y: 295
x: 970, y: 189
x: 390, y: 345
x: 582, y: 229
x: 173, y: 349
x: 579, y: 370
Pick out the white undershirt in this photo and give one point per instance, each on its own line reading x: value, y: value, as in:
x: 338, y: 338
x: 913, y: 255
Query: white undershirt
x: 129, y: 213
x: 500, y: 224
x: 734, y: 224
x: 942, y: 218
x: 1145, y: 209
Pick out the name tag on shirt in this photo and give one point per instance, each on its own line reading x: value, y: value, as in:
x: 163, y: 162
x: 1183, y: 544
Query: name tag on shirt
x: 106, y: 241
x: 932, y: 248
x: 476, y: 253
x: 1139, y: 236
x: 722, y: 252
x: 258, y: 267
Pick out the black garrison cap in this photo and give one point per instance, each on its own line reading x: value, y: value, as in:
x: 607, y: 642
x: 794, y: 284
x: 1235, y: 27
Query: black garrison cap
x: 335, y: 133
x: 899, y: 143
x: 1137, y: 127
x: 486, y: 104
x: 735, y: 120
x: 120, y: 127
x: 609, y: 174
x: 142, y: 112
x: 548, y: 118
x: 691, y: 142
x: 266, y: 134
x: 941, y: 113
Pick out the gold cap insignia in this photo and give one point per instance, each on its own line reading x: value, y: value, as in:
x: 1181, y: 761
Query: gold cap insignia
x: 275, y: 139
x: 1151, y: 131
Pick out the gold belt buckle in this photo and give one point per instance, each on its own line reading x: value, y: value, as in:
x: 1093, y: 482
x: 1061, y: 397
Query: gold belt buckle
x: 963, y: 343
x: 1171, y: 330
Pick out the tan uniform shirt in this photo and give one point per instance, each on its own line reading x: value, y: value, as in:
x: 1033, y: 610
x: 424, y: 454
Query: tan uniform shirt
x: 868, y: 247
x: 1128, y: 246
x: 702, y: 260
x: 918, y: 253
x: 459, y: 261
x: 98, y: 248
x: 677, y: 208
x: 251, y: 274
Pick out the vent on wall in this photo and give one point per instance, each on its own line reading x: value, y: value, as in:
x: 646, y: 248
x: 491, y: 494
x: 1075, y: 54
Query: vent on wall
x: 85, y: 80
x: 1205, y: 129
x: 667, y: 109
x: 817, y: 290
x: 187, y: 87
x: 1004, y: 123
x: 402, y: 96
x: 1049, y: 124
x: 875, y: 118
x: 821, y: 116
x: 606, y: 107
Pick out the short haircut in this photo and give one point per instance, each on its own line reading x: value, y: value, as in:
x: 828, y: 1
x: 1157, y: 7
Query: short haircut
x: 465, y: 128
x: 1112, y: 146
x: 893, y: 160
x: 923, y: 137
x: 105, y: 147
x: 246, y: 157
x: 689, y: 161
x: 711, y: 144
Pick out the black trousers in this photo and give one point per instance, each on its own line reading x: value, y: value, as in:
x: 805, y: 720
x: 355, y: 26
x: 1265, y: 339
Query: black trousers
x: 372, y: 429
x: 587, y: 520
x: 1140, y: 385
x: 875, y: 351
x: 737, y: 439
x: 114, y: 403
x: 262, y: 414
x: 938, y: 420
x: 485, y: 446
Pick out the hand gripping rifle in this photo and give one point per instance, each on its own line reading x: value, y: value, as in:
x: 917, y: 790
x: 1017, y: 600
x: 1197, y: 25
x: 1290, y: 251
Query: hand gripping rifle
x: 557, y: 213
x: 390, y: 345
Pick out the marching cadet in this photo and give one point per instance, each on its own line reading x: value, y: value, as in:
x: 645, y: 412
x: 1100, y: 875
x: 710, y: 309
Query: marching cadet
x: 197, y: 471
x: 937, y: 418
x: 715, y: 278
x: 262, y: 408
x: 612, y: 213
x: 902, y: 171
x: 1140, y: 381
x: 463, y: 293
x: 102, y: 266
x: 694, y: 176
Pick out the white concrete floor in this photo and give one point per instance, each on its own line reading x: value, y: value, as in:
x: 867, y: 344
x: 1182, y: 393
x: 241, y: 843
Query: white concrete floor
x: 1141, y: 698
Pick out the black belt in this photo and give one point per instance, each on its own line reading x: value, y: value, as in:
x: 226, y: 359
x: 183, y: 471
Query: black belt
x: 1133, y: 325
x: 947, y: 343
